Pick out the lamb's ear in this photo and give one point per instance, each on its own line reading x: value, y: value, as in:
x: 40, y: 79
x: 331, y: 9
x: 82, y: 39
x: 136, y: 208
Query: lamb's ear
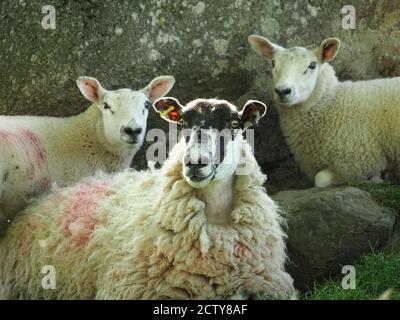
x: 91, y: 89
x: 328, y: 49
x: 252, y: 112
x: 263, y: 46
x: 169, y: 109
x: 159, y: 87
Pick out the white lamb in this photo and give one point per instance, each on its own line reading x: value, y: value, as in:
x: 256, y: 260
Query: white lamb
x: 339, y: 132
x: 191, y: 230
x: 38, y: 151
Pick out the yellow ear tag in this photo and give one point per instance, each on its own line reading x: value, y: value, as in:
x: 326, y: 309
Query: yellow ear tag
x: 166, y: 111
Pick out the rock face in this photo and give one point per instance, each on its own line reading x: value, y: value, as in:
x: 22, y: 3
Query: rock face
x: 331, y: 228
x: 203, y: 43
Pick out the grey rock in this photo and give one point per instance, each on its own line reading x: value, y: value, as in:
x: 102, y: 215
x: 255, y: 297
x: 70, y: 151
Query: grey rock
x: 330, y: 228
x: 203, y: 44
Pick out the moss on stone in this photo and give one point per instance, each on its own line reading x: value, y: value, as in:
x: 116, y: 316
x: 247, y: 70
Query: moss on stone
x: 386, y: 193
x: 203, y: 44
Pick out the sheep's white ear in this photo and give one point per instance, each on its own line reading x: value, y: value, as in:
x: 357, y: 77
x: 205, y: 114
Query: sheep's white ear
x: 169, y: 109
x: 252, y: 112
x: 159, y: 87
x: 91, y: 89
x: 328, y: 49
x: 263, y: 46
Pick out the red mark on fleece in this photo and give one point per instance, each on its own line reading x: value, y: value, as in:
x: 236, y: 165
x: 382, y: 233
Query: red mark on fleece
x: 27, y: 145
x: 34, y: 141
x: 6, y: 137
x: 240, y: 250
x: 37, y: 154
x: 80, y: 216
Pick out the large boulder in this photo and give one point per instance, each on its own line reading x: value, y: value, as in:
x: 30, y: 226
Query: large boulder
x: 203, y: 43
x: 330, y: 228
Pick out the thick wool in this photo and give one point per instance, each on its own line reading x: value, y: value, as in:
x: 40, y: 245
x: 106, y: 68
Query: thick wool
x: 38, y: 151
x: 350, y: 128
x: 144, y: 235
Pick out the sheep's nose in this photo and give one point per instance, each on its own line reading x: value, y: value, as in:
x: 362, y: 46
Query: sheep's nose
x: 283, y: 92
x: 200, y: 163
x: 131, y: 132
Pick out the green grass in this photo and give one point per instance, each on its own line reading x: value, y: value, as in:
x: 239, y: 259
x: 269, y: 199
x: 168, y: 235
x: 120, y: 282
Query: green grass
x: 386, y: 193
x: 375, y: 273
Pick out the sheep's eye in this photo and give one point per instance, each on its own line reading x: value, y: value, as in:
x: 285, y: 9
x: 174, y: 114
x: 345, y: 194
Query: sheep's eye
x: 312, y: 65
x: 183, y: 123
x: 235, y: 123
x: 147, y: 105
x: 273, y: 63
x: 107, y: 107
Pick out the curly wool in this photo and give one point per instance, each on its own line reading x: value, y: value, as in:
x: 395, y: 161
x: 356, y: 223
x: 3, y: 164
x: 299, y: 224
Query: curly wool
x: 144, y: 235
x: 350, y: 128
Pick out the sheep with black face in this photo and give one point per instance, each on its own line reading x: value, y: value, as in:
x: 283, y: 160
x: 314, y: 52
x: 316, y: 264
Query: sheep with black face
x: 198, y: 228
x: 212, y: 145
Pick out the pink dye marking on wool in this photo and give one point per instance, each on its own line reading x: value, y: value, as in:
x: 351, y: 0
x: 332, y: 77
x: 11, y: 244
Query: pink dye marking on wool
x: 38, y: 150
x: 35, y: 153
x: 240, y: 250
x: 6, y: 137
x: 80, y: 216
x: 27, y: 145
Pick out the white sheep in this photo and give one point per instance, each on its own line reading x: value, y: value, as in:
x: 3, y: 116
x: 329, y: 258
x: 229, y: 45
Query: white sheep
x: 190, y: 230
x: 36, y: 152
x: 339, y: 132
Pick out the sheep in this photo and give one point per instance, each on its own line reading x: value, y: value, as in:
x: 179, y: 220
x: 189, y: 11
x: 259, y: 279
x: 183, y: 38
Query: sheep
x: 189, y: 230
x: 339, y: 132
x: 36, y: 152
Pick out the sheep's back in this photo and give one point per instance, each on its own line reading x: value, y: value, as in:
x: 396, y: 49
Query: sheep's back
x: 59, y: 230
x: 351, y: 131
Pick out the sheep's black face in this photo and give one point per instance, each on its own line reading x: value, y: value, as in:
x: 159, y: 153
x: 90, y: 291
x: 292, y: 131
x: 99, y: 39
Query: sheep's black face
x: 204, y: 114
x: 212, y: 141
x: 213, y: 135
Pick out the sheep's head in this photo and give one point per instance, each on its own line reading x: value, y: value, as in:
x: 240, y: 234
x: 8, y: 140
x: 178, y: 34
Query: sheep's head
x: 124, y: 111
x: 212, y: 131
x: 295, y: 70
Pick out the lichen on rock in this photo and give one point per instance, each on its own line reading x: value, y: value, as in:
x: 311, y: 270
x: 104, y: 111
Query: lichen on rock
x: 203, y: 44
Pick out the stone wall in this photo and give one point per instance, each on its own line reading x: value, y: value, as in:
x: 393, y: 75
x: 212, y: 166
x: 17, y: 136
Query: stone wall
x: 202, y: 43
